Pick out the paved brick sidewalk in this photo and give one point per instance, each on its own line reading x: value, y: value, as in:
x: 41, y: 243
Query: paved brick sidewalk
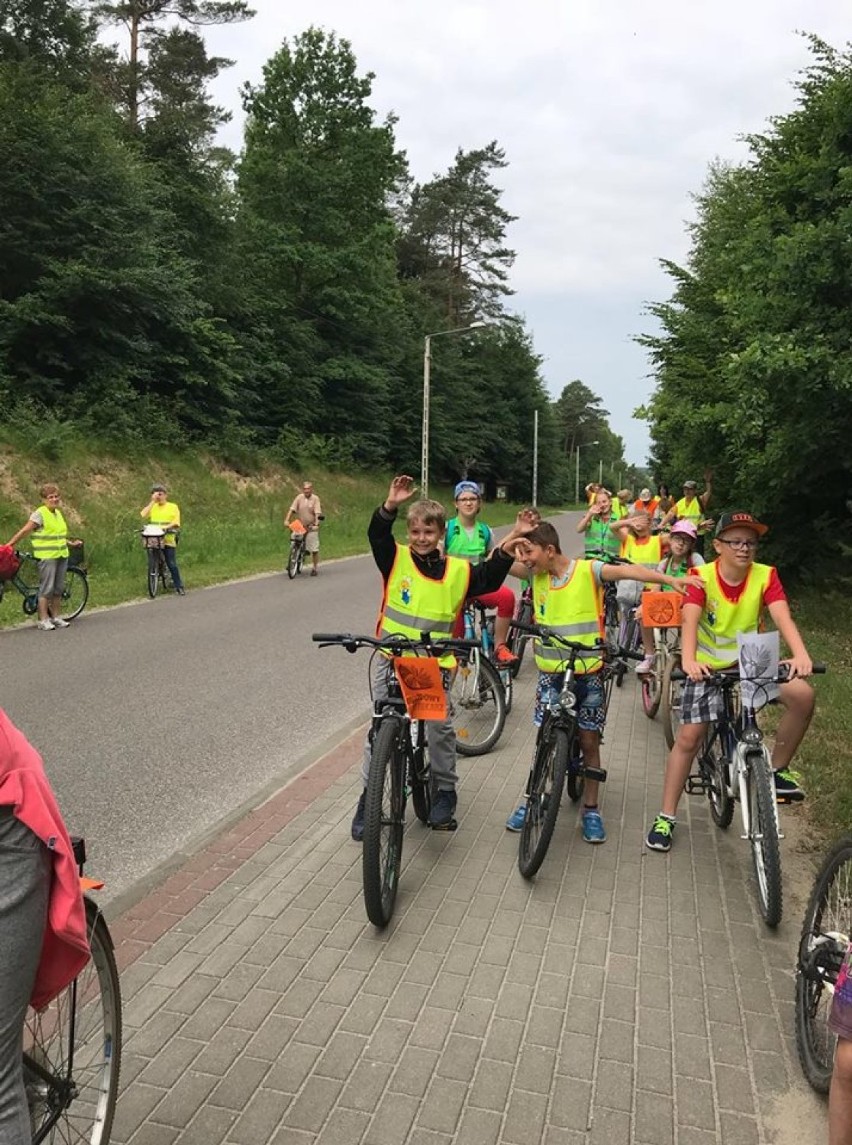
x: 622, y: 997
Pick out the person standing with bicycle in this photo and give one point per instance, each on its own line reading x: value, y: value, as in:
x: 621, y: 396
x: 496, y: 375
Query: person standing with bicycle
x: 50, y: 548
x: 306, y: 506
x: 160, y: 511
x: 724, y: 598
x: 43, y: 943
x: 424, y: 590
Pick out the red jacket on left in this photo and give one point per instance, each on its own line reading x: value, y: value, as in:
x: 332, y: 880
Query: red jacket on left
x: 24, y: 786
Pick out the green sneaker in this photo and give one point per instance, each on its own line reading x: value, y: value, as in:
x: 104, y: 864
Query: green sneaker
x: 788, y: 786
x: 659, y: 838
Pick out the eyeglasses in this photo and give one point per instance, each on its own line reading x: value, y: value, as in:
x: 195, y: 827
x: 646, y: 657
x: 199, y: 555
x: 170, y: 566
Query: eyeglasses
x: 467, y: 500
x: 749, y: 545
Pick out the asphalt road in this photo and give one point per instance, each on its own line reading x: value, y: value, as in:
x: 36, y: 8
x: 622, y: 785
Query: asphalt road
x: 158, y: 720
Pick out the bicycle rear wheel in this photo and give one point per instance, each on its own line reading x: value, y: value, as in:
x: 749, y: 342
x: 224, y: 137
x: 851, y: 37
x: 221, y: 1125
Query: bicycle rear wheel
x: 479, y: 705
x: 763, y: 836
x: 74, y: 594
x: 575, y: 781
x: 651, y: 684
x: 715, y: 763
x: 384, y: 817
x: 670, y: 700
x: 826, y: 931
x: 545, y: 792
x: 72, y: 1088
x: 518, y: 640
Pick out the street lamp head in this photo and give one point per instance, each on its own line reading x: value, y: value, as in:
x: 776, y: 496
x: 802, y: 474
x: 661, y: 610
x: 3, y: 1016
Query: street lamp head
x: 477, y: 325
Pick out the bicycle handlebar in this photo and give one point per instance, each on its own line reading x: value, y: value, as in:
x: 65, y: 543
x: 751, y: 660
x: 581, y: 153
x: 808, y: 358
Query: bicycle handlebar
x: 550, y: 637
x: 395, y: 644
x: 727, y: 677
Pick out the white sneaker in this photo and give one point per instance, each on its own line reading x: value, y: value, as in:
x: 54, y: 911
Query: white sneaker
x: 58, y: 622
x: 647, y: 665
x: 46, y: 625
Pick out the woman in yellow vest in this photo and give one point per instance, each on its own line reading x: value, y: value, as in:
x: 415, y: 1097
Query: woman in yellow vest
x: 424, y: 590
x: 568, y: 598
x: 50, y: 547
x: 724, y: 598
x: 165, y: 513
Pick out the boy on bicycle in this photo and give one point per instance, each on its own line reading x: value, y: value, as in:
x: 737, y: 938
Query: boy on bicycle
x: 568, y: 597
x: 724, y: 598
x: 425, y: 590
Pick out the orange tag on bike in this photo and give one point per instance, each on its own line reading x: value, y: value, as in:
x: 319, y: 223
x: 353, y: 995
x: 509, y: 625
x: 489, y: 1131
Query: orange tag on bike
x: 422, y: 687
x: 661, y: 609
x: 297, y: 526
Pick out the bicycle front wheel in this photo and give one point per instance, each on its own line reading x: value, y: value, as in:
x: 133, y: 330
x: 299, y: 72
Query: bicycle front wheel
x: 651, y: 684
x: 384, y: 817
x: 546, y: 784
x: 72, y: 1050
x: 293, y: 560
x: 826, y: 931
x: 74, y: 594
x: 479, y: 705
x: 153, y: 572
x: 763, y: 836
x: 670, y: 701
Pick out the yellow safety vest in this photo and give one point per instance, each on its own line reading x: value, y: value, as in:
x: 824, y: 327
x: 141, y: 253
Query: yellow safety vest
x: 414, y: 603
x: 689, y: 510
x: 721, y: 621
x: 166, y: 514
x: 50, y: 542
x: 646, y: 551
x: 573, y: 610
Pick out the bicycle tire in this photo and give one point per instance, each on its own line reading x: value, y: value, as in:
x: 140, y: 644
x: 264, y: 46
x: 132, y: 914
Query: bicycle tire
x: 575, y: 781
x: 74, y: 594
x: 547, y: 783
x: 478, y: 704
x: 765, y: 847
x: 292, y: 561
x: 384, y: 817
x: 828, y: 913
x: 507, y: 680
x: 651, y: 684
x: 421, y: 785
x: 93, y: 1000
x: 670, y: 701
x: 713, y: 758
x: 518, y: 640
x: 153, y: 572
x: 300, y: 559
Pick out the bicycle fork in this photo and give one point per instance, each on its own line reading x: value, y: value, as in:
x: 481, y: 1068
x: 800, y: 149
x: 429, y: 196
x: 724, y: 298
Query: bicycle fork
x: 746, y: 758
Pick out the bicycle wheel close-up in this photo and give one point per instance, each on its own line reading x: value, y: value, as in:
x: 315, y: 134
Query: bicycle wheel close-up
x: 384, y: 820
x: 478, y: 704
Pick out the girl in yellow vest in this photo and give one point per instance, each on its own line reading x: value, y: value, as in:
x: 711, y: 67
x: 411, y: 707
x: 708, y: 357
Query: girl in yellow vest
x: 423, y: 590
x: 568, y: 596
x: 50, y: 547
x: 724, y: 598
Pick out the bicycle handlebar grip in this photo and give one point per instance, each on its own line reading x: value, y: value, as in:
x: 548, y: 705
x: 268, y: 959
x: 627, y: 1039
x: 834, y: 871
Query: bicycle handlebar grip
x: 819, y: 669
x: 329, y: 637
x: 631, y: 654
x: 522, y: 626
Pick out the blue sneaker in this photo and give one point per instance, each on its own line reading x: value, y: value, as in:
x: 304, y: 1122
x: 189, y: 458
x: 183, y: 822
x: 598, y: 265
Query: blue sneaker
x: 442, y: 815
x: 593, y: 828
x: 515, y: 822
x: 358, y: 818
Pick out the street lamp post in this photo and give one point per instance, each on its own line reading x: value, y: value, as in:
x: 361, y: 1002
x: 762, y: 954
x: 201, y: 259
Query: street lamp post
x: 577, y: 475
x: 427, y: 370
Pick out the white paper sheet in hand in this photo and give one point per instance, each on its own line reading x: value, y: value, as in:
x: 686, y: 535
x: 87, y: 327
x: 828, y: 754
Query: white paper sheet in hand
x: 759, y: 653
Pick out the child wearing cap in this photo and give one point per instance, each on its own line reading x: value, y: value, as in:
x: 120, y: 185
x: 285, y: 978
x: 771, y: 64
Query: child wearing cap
x: 471, y: 539
x: 724, y: 598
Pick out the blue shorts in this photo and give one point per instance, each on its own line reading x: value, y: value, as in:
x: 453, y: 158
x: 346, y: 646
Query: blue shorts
x: 591, y: 715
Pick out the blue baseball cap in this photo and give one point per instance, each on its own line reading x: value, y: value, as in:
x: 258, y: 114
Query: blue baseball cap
x: 466, y: 487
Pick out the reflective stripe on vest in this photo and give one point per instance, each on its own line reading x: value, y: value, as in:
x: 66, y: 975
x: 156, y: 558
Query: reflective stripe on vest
x: 414, y: 603
x: 50, y: 542
x: 720, y: 620
x: 573, y: 610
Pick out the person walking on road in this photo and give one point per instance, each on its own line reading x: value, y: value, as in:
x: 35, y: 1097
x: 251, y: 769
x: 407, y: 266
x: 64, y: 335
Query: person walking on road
x: 50, y: 548
x: 165, y: 513
x: 306, y: 506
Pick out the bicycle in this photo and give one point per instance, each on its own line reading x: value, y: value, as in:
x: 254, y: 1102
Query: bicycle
x: 74, y: 594
x: 154, y: 541
x: 661, y: 611
x: 296, y: 556
x: 479, y: 625
x: 557, y: 758
x: 478, y: 691
x: 826, y: 934
x: 518, y: 639
x: 72, y: 1047
x: 399, y: 766
x: 734, y: 766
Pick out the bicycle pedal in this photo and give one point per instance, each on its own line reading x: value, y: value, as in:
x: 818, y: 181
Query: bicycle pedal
x: 695, y: 785
x: 450, y: 825
x: 793, y: 797
x: 598, y: 773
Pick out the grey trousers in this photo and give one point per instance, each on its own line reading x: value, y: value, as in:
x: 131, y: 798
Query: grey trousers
x: 25, y: 870
x: 440, y: 737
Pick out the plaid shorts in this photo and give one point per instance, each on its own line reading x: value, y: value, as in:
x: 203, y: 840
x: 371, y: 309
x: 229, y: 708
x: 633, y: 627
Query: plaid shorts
x: 840, y: 1018
x: 591, y: 715
x: 700, y: 703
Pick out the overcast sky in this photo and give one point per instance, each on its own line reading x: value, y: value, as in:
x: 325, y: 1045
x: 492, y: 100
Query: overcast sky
x: 609, y: 112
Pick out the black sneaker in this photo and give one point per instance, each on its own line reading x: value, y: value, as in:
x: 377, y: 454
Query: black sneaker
x: 659, y: 838
x: 788, y: 786
x: 358, y: 818
x: 442, y: 816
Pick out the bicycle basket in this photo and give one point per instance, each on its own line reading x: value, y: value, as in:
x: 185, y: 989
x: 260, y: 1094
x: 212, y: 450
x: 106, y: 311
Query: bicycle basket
x: 77, y: 557
x: 9, y: 563
x: 153, y: 537
x: 661, y: 609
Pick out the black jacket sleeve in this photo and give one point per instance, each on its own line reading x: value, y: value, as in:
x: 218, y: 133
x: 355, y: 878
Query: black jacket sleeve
x: 380, y: 536
x: 490, y: 574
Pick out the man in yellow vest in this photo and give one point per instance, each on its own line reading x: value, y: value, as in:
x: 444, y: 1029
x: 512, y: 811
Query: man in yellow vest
x: 692, y: 505
x: 724, y: 598
x: 50, y: 547
x: 423, y: 590
x: 165, y: 513
x: 568, y: 599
